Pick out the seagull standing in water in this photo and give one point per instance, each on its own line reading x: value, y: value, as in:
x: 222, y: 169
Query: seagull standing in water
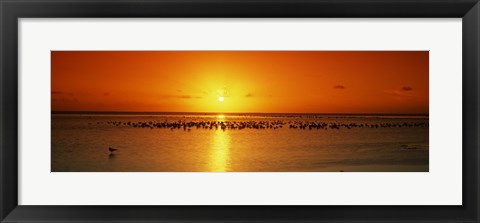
x: 112, y: 149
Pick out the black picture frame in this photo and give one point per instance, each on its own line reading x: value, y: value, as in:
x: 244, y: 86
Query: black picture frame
x: 12, y: 10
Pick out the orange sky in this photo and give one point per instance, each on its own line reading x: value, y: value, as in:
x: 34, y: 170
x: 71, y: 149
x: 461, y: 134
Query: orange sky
x: 250, y: 81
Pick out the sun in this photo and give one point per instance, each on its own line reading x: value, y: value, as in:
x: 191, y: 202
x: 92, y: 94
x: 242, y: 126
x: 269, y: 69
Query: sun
x: 220, y: 99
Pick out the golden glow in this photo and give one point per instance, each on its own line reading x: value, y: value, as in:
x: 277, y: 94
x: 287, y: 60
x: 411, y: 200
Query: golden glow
x: 374, y: 82
x: 220, y: 152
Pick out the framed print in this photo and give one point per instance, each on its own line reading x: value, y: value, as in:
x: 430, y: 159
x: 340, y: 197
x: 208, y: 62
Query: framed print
x: 239, y: 111
x: 220, y: 103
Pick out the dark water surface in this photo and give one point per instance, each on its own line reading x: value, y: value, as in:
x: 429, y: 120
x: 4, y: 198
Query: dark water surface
x: 151, y: 142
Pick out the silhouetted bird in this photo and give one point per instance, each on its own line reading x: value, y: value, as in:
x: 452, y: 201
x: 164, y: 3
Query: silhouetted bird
x: 112, y: 149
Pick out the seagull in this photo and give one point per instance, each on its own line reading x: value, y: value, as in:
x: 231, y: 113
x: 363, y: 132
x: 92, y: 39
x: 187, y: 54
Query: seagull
x: 112, y: 149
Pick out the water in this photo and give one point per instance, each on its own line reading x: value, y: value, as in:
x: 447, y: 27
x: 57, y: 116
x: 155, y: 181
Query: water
x: 347, y: 143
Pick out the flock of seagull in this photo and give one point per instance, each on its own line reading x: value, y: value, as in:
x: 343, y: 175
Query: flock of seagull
x: 224, y: 125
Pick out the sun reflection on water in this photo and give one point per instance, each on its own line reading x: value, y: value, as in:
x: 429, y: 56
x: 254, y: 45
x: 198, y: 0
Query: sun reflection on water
x: 219, y: 158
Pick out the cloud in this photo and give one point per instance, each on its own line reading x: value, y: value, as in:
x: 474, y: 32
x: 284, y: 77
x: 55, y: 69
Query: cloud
x: 340, y: 87
x: 407, y: 88
x: 403, y: 92
x: 248, y: 95
x: 187, y: 97
x: 179, y: 96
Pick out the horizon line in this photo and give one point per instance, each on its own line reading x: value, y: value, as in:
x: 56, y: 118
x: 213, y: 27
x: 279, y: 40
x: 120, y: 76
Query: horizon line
x: 294, y: 113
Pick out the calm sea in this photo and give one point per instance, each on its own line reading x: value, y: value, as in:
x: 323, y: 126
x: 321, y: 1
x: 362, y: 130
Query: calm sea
x: 174, y: 142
